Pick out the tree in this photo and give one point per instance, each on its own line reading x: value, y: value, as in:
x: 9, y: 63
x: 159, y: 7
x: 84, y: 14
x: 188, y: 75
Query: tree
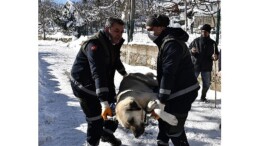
x: 47, y: 12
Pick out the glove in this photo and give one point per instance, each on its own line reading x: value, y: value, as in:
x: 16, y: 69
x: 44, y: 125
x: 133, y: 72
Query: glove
x: 106, y: 110
x: 160, y: 105
x: 155, y: 104
x: 154, y: 115
x: 155, y: 107
x: 159, y: 112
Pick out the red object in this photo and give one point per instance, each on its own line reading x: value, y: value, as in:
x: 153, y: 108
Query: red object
x: 93, y: 48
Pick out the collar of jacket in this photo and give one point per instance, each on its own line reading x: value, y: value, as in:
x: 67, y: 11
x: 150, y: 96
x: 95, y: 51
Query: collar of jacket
x: 169, y: 32
x: 161, y: 37
x: 205, y: 38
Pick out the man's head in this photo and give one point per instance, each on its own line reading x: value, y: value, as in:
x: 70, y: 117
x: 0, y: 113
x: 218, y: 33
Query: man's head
x: 114, y: 27
x: 205, y: 30
x: 157, y: 23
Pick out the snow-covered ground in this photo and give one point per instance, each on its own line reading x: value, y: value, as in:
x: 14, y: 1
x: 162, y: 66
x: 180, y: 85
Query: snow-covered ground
x: 62, y: 122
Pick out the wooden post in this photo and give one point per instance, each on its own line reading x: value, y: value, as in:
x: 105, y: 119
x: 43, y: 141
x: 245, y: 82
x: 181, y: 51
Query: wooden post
x: 215, y: 87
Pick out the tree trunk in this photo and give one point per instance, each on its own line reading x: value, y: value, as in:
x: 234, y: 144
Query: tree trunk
x: 218, y: 26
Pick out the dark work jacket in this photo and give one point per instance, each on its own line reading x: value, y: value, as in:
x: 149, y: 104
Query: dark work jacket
x: 202, y: 60
x: 175, y: 69
x: 95, y: 65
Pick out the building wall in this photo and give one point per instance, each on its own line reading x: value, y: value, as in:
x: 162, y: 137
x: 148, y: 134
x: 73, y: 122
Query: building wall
x: 145, y: 55
x: 201, y: 20
x: 142, y: 55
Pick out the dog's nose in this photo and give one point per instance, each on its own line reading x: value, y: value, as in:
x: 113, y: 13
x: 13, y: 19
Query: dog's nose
x: 138, y: 133
x: 139, y: 130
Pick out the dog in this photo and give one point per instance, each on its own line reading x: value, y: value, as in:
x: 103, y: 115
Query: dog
x: 135, y: 98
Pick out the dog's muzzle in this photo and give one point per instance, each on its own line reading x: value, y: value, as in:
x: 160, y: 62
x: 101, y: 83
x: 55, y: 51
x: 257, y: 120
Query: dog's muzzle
x: 137, y: 131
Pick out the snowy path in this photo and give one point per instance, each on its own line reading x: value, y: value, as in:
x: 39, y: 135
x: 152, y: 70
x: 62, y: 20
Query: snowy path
x: 61, y: 120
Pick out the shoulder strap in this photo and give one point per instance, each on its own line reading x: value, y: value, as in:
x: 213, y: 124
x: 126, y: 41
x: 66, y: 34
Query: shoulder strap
x: 183, y: 45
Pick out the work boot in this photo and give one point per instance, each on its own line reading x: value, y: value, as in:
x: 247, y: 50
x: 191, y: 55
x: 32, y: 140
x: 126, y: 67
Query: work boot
x: 88, y: 144
x: 203, y: 95
x: 204, y: 100
x: 111, y: 139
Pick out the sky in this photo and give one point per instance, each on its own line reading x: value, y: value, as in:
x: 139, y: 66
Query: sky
x: 56, y: 100
x: 20, y: 74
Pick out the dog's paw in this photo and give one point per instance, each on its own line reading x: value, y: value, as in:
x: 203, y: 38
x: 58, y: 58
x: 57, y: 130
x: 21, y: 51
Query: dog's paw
x: 151, y: 105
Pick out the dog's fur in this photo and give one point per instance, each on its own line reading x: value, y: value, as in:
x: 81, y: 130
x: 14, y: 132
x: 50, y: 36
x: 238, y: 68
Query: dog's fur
x: 133, y: 100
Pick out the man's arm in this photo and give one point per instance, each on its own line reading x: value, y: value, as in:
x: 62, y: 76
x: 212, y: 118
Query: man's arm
x: 96, y: 61
x: 171, y: 59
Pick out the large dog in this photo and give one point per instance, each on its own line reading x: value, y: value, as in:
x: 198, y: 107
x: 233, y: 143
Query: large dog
x: 136, y: 97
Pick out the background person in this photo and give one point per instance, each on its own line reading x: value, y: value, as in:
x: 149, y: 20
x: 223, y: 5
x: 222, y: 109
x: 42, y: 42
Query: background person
x: 204, y: 51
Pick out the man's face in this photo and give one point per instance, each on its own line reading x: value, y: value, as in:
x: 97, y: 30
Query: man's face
x: 204, y: 33
x: 157, y: 30
x: 116, y: 31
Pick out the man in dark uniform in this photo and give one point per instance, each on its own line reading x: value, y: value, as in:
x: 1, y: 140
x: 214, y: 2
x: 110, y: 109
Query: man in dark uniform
x: 178, y: 86
x: 204, y: 51
x: 92, y: 80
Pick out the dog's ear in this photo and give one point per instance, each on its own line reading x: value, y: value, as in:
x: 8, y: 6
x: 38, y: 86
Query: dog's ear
x: 133, y: 106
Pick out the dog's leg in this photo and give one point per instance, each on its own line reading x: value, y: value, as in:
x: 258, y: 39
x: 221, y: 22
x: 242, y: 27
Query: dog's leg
x: 169, y: 118
x: 159, y: 110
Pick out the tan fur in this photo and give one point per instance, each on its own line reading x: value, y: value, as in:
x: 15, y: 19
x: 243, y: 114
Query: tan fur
x: 135, y: 92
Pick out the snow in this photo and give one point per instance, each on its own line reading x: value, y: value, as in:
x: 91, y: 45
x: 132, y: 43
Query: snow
x: 62, y: 122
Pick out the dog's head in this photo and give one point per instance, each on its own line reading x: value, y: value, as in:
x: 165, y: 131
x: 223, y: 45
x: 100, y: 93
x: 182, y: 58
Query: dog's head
x: 131, y: 116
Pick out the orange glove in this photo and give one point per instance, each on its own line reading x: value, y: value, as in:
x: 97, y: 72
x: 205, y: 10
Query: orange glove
x: 106, y: 110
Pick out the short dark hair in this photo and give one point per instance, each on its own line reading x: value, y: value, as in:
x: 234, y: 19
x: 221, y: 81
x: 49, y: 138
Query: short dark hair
x: 158, y: 20
x: 206, y: 27
x: 111, y: 20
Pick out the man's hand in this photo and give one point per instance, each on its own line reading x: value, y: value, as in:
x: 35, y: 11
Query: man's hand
x: 158, y: 112
x: 155, y: 104
x: 214, y: 57
x: 155, y: 107
x: 154, y: 115
x: 194, y: 50
x: 160, y: 105
x: 106, y: 110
